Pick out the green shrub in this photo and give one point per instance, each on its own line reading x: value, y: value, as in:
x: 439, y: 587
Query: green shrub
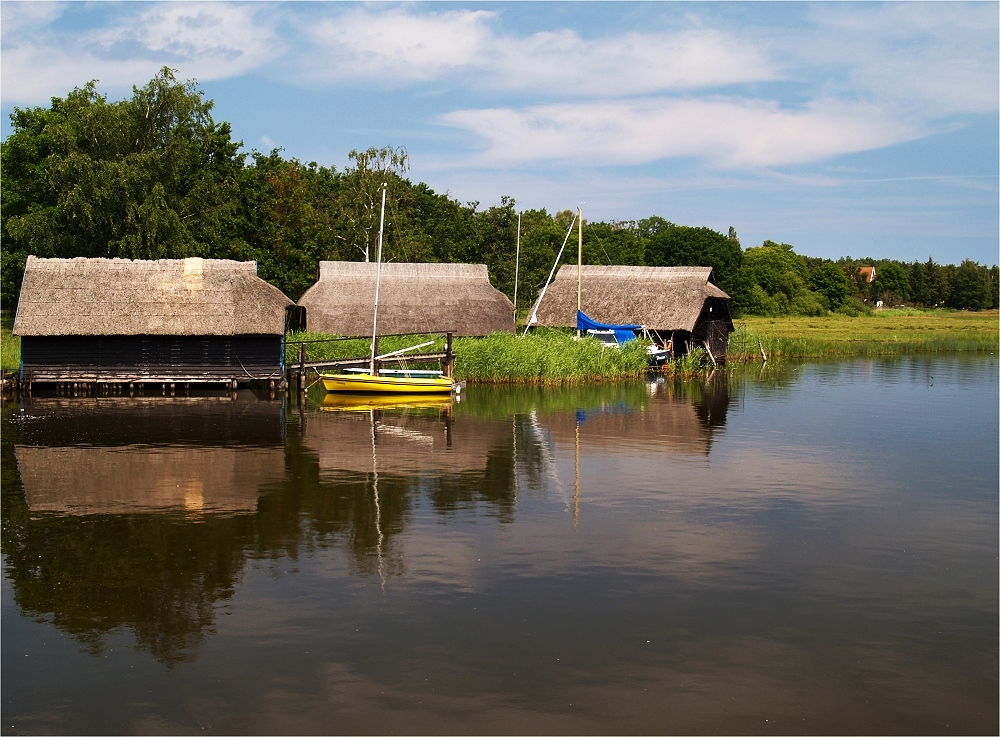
x: 854, y: 307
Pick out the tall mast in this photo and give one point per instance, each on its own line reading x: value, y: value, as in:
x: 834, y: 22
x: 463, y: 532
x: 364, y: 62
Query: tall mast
x: 517, y: 264
x: 378, y: 278
x: 579, y: 261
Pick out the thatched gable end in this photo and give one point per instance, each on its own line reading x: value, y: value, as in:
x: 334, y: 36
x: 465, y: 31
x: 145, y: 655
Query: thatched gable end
x: 413, y: 298
x: 659, y: 297
x: 177, y: 297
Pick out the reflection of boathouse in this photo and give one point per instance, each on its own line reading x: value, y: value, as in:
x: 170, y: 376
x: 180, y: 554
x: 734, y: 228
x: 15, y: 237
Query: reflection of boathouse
x: 404, y: 443
x: 681, y: 425
x: 413, y: 298
x: 138, y: 513
x: 174, y: 320
x: 116, y: 456
x: 679, y: 302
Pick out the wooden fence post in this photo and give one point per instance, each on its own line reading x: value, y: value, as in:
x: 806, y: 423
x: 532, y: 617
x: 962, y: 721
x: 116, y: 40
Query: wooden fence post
x: 302, y: 372
x: 449, y: 358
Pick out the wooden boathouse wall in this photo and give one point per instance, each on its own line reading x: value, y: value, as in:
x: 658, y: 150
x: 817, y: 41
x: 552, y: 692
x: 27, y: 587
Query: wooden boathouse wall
x: 116, y: 321
x: 151, y: 358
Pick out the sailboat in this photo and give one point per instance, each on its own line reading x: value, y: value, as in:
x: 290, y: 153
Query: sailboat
x: 374, y: 382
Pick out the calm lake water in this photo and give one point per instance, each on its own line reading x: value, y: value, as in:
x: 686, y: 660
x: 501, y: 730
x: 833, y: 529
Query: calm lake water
x: 811, y: 550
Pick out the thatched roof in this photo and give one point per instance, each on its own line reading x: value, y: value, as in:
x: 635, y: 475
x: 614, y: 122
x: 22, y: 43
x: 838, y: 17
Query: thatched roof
x: 659, y: 297
x: 413, y: 298
x: 193, y: 296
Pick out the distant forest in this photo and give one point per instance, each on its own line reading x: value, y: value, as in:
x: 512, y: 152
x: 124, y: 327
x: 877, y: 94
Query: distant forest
x: 154, y: 176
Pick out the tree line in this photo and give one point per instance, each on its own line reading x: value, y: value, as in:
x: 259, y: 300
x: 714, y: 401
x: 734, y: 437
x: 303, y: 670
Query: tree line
x: 155, y: 176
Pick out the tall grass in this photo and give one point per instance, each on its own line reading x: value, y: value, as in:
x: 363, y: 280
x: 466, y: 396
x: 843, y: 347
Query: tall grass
x: 545, y: 357
x: 10, y: 345
x: 542, y: 357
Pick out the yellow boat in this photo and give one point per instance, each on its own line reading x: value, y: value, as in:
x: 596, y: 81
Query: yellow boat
x: 368, y: 384
x: 363, y: 402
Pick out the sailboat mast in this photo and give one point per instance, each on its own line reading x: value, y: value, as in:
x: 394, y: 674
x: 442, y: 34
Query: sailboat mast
x: 517, y: 264
x: 579, y: 261
x: 378, y: 278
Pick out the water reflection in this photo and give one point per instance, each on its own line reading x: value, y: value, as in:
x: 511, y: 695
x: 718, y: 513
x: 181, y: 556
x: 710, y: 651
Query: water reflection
x: 133, y: 512
x: 143, y: 513
x: 540, y: 556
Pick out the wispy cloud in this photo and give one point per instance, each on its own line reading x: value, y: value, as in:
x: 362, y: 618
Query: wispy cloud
x: 929, y: 59
x: 203, y: 40
x: 726, y: 132
x: 398, y: 46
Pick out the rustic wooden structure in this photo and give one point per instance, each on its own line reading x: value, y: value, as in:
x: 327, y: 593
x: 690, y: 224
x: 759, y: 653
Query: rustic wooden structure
x: 108, y: 323
x: 413, y: 298
x: 681, y: 303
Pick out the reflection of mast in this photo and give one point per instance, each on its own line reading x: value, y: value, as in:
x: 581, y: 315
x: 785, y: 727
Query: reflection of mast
x: 579, y: 268
x: 378, y: 509
x: 513, y: 427
x: 546, y: 455
x: 576, y: 484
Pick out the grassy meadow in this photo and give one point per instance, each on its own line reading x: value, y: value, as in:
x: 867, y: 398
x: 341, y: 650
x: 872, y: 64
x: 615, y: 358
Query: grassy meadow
x: 885, y: 333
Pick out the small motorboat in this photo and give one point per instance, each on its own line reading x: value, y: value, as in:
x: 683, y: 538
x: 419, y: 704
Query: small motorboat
x: 657, y: 355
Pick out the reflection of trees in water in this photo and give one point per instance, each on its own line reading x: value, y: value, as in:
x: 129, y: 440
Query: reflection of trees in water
x: 162, y: 573
x: 159, y: 576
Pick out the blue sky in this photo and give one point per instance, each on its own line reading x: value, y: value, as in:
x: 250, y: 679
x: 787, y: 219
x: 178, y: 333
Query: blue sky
x: 841, y: 128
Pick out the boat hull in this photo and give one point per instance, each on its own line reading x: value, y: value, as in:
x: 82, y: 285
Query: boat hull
x: 345, y: 402
x: 366, y: 384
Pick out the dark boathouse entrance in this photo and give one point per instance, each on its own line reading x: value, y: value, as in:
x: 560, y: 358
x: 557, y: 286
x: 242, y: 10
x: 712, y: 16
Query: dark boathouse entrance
x: 123, y: 322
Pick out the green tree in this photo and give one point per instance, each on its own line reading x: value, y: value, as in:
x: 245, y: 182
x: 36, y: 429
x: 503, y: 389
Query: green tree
x: 829, y: 280
x: 891, y: 284
x: 970, y: 287
x: 360, y: 197
x: 150, y: 177
x: 777, y: 269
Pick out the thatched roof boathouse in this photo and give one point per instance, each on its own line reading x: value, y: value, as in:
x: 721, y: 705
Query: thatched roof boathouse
x: 679, y: 302
x: 413, y: 298
x: 174, y: 320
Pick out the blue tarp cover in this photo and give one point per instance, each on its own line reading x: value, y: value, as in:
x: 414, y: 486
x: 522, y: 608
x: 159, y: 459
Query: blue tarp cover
x: 623, y: 333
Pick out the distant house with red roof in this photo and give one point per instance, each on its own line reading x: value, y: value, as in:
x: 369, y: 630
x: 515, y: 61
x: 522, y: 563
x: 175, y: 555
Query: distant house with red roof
x: 868, y: 273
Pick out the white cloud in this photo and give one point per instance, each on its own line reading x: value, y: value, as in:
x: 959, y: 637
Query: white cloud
x: 730, y: 133
x: 202, y: 40
x: 628, y: 64
x: 400, y: 45
x: 397, y: 44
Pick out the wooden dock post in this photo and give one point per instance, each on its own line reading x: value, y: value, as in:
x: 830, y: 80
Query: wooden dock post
x: 449, y: 358
x: 302, y: 373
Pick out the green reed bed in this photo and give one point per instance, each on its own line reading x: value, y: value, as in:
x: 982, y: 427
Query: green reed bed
x: 545, y: 357
x: 10, y: 345
x: 542, y: 357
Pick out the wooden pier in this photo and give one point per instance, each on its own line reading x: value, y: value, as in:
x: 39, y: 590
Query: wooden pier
x: 296, y: 374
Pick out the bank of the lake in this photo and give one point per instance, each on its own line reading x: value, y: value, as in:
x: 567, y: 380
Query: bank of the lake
x: 548, y: 356
x: 885, y: 333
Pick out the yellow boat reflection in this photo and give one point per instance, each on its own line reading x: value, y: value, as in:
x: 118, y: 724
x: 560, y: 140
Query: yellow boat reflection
x: 365, y: 402
x: 365, y: 383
